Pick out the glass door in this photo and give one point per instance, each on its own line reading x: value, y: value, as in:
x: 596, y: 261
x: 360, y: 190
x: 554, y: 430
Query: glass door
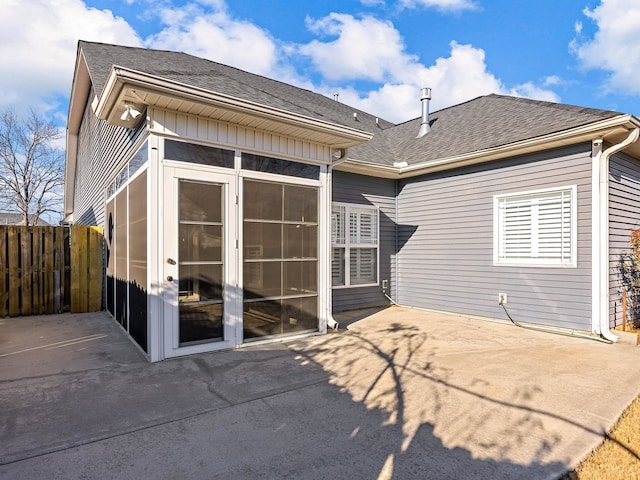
x: 199, y: 261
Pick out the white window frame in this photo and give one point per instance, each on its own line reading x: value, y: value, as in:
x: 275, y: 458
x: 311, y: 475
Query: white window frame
x: 535, y: 258
x: 347, y: 244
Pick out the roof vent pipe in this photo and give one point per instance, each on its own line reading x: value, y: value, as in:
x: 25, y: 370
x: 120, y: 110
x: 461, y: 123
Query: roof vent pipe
x: 425, y: 96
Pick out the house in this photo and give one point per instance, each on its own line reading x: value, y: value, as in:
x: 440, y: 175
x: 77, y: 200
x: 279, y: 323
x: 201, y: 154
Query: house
x: 239, y: 209
x: 7, y: 218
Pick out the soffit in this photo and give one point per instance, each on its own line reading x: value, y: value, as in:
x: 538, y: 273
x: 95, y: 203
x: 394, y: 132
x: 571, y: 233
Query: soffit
x: 140, y: 90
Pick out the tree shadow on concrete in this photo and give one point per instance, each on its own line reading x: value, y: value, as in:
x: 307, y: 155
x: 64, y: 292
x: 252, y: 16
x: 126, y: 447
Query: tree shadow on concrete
x: 379, y: 401
x: 444, y: 425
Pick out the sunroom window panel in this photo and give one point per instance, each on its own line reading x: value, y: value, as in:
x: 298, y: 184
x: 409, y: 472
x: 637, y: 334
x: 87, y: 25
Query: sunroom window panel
x: 300, y: 204
x: 280, y: 273
x: 299, y: 278
x: 300, y: 241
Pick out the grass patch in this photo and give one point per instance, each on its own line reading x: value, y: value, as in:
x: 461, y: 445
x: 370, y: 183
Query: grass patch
x: 618, y: 457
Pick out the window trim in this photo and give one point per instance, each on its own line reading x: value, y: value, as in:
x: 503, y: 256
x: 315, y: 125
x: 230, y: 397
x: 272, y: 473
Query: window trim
x: 348, y: 245
x: 536, y: 261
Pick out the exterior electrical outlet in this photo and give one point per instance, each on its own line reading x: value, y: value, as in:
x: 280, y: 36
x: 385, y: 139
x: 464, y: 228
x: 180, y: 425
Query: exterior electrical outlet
x: 502, y: 298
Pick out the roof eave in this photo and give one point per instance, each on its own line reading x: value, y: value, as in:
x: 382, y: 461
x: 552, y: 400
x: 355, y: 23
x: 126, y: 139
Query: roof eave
x: 123, y: 83
x: 610, y: 130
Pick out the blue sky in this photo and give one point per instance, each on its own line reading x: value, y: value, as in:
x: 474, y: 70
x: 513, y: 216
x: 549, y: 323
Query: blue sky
x: 376, y: 53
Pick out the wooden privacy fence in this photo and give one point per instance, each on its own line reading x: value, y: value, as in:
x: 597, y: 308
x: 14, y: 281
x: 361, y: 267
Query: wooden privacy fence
x: 47, y: 270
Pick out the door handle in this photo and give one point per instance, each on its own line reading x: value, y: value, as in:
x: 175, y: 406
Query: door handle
x: 169, y: 278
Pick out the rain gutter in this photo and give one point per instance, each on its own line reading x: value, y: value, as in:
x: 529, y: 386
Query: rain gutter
x: 584, y: 133
x: 121, y: 79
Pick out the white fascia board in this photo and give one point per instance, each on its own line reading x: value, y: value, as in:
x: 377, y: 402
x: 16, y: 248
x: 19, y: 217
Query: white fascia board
x: 122, y: 78
x: 81, y: 86
x: 70, y: 173
x: 366, y: 168
x: 614, y: 126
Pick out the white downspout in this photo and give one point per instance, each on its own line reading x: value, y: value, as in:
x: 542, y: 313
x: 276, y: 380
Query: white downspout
x: 341, y: 157
x: 331, y: 322
x: 600, y: 247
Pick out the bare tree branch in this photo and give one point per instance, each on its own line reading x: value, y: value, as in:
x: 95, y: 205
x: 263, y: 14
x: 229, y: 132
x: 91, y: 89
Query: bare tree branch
x: 31, y: 168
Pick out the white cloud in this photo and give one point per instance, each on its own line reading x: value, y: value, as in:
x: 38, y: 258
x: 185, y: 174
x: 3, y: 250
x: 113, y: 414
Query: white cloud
x: 552, y: 80
x: 615, y: 46
x: 364, y: 58
x: 461, y: 76
x: 577, y: 27
x: 373, y: 50
x: 393, y: 102
x: 205, y: 29
x: 38, y: 43
x: 366, y: 48
x: 442, y: 5
x: 530, y: 90
x: 454, y: 79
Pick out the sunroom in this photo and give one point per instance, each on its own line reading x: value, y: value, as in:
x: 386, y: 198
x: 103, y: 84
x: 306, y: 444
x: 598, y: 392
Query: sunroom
x: 218, y: 225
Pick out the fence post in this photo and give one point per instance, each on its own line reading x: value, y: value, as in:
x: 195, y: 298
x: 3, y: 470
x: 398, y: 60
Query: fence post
x: 4, y: 270
x: 13, y: 240
x: 49, y: 286
x: 4, y: 294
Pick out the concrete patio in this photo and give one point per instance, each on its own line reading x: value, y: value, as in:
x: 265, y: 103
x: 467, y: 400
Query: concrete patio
x: 400, y: 394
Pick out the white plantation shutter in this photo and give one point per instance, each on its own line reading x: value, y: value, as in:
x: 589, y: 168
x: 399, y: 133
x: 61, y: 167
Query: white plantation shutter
x: 515, y: 228
x: 338, y: 234
x: 363, y: 226
x: 337, y: 266
x: 355, y: 255
x: 363, y: 266
x: 554, y: 227
x: 536, y: 228
x: 353, y: 227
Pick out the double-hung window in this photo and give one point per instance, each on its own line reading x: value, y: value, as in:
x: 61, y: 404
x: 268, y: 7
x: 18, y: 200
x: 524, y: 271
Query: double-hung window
x: 536, y: 228
x: 354, y: 237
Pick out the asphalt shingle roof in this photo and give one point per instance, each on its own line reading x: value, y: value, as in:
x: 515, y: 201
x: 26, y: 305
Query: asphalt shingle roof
x: 16, y: 219
x: 216, y: 77
x: 484, y: 122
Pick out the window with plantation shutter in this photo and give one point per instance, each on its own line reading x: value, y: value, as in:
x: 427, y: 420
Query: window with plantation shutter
x: 355, y: 251
x: 536, y: 228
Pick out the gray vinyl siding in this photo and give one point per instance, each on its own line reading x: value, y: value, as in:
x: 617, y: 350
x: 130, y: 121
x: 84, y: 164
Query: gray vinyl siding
x: 380, y: 192
x: 445, y: 259
x: 624, y: 217
x: 102, y: 149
